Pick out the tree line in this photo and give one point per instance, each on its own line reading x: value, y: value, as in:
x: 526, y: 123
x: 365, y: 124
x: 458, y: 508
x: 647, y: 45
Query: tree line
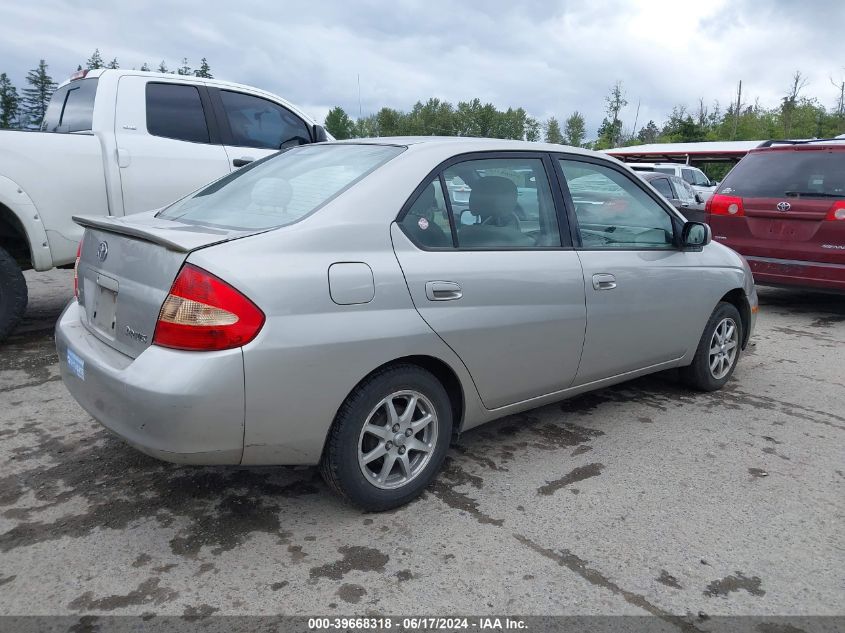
x: 796, y: 116
x: 26, y: 109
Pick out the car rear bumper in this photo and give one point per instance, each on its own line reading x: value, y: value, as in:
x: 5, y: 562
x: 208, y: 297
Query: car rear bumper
x: 184, y: 407
x: 788, y: 272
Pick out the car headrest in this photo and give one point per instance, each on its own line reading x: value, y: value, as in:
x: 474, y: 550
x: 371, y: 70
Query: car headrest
x: 492, y: 196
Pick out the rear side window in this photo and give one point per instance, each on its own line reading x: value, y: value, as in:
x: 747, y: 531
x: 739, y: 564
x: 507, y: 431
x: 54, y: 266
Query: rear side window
x: 662, y: 185
x: 257, y: 122
x: 71, y: 107
x: 781, y: 173
x: 281, y: 189
x: 175, y: 111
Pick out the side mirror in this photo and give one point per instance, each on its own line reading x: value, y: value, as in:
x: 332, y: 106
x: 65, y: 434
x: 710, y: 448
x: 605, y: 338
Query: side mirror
x: 698, y: 198
x: 320, y: 134
x: 696, y: 235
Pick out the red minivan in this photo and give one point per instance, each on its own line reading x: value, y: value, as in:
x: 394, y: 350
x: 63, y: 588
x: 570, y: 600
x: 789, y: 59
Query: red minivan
x: 783, y: 208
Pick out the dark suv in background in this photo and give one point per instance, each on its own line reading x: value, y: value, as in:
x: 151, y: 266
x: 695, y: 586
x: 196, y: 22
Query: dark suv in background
x: 783, y: 208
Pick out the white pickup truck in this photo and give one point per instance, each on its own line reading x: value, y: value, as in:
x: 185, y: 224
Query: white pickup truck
x: 116, y: 142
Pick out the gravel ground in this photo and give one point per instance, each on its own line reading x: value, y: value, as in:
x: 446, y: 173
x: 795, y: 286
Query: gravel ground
x: 640, y: 499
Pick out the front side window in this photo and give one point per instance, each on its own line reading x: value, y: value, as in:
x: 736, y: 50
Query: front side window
x: 427, y: 221
x: 688, y: 175
x: 257, y: 122
x: 699, y: 179
x: 684, y: 192
x: 502, y: 203
x: 613, y: 212
x: 175, y: 111
x: 282, y: 189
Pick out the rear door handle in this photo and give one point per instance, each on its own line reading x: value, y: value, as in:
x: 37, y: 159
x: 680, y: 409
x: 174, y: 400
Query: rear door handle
x: 604, y: 281
x: 240, y: 162
x: 442, y: 290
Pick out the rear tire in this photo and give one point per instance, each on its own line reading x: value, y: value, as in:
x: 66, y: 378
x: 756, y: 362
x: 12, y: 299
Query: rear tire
x: 389, y: 438
x: 13, y: 294
x: 718, y: 350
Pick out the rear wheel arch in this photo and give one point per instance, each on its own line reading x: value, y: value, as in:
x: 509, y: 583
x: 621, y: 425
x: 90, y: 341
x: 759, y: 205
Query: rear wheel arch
x: 739, y: 300
x: 440, y: 370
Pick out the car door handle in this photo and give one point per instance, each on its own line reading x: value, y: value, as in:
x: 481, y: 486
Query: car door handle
x: 604, y: 281
x: 240, y: 162
x: 442, y: 290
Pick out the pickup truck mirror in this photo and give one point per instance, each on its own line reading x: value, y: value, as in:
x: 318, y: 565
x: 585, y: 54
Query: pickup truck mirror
x: 696, y: 235
x: 698, y: 198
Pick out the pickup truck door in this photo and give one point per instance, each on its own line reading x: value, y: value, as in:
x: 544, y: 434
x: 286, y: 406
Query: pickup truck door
x: 167, y: 142
x: 252, y: 127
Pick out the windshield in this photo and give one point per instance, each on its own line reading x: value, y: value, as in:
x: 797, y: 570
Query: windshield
x: 777, y: 174
x: 282, y: 189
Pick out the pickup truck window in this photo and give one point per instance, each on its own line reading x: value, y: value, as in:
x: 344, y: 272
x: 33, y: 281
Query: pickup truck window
x: 175, y: 111
x: 71, y: 107
x: 257, y: 122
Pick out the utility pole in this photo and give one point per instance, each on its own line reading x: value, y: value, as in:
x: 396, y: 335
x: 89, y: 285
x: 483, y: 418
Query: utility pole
x: 736, y: 111
x: 636, y: 118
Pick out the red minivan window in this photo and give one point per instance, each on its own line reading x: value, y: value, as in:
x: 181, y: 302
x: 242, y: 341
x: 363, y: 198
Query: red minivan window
x: 804, y: 173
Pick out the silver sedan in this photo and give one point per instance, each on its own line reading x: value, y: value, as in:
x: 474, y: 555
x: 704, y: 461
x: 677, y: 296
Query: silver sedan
x: 333, y: 304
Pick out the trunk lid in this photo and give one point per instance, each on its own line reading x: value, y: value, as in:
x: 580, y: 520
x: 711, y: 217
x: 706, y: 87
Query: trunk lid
x: 785, y: 218
x: 126, y: 269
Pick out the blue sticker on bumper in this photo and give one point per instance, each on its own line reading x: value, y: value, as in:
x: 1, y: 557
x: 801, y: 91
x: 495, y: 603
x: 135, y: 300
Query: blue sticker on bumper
x: 75, y: 364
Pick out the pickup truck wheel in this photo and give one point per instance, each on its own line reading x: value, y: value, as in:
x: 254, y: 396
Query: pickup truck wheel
x: 13, y: 295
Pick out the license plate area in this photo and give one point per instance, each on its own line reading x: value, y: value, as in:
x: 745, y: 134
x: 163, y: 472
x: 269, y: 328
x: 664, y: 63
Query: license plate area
x: 104, y: 309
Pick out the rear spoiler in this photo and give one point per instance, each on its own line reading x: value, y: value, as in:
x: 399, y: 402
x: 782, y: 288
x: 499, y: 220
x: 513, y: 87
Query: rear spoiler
x: 171, y: 235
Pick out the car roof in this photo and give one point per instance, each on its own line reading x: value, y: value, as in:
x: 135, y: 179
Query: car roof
x: 464, y: 144
x: 836, y: 144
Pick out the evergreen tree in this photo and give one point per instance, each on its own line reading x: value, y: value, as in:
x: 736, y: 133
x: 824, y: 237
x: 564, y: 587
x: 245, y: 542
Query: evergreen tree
x: 575, y: 129
x: 95, y: 61
x: 145, y: 67
x: 162, y: 67
x: 553, y: 133
x: 532, y: 129
x: 37, y: 96
x: 184, y: 69
x: 113, y: 64
x: 338, y: 123
x: 648, y: 133
x: 9, y: 103
x: 204, y: 70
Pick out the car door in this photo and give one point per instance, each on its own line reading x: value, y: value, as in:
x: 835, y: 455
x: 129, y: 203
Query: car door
x: 167, y: 144
x: 640, y: 288
x: 506, y: 294
x: 253, y: 127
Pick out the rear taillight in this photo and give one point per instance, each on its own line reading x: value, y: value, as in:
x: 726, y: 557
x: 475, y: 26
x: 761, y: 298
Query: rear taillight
x: 837, y: 211
x: 204, y: 313
x: 719, y: 204
x: 76, y: 271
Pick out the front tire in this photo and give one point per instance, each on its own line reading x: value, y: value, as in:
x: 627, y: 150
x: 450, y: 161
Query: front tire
x: 718, y: 350
x: 13, y: 294
x: 389, y: 438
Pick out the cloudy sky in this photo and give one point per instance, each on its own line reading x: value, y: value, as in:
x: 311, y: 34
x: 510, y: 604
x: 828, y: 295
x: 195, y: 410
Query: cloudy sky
x: 549, y: 57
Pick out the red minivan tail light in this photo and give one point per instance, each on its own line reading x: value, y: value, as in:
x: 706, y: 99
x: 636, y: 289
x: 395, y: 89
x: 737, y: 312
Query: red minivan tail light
x: 837, y: 211
x: 76, y: 270
x: 204, y: 313
x: 719, y: 204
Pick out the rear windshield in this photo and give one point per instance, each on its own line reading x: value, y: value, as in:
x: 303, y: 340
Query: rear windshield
x: 777, y: 174
x: 71, y: 107
x: 282, y: 189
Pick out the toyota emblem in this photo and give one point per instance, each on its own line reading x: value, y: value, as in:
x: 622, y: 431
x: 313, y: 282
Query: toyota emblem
x: 102, y: 251
x: 784, y: 206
